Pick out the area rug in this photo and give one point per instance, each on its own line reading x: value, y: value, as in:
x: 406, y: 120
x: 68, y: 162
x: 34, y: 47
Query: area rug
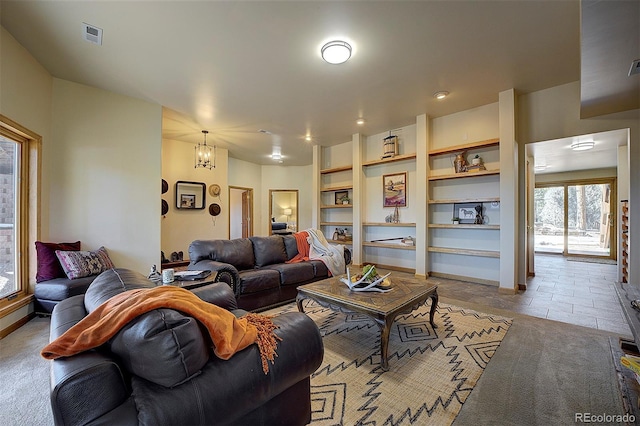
x: 592, y: 260
x: 431, y: 373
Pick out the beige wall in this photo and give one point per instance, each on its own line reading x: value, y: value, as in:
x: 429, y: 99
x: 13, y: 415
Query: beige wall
x: 180, y: 226
x: 104, y: 173
x: 280, y: 177
x: 555, y: 113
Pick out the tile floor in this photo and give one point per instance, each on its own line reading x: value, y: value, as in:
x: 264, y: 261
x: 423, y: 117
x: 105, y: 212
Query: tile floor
x: 574, y: 292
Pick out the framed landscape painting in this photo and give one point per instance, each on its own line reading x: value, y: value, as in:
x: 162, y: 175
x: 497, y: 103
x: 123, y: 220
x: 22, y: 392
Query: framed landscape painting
x: 394, y: 190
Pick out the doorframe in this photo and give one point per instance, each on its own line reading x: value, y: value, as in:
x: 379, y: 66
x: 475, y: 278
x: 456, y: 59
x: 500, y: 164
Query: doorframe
x: 250, y: 206
x: 612, y: 181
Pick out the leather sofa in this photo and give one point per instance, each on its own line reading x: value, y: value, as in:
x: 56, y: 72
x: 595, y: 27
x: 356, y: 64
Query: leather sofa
x: 160, y: 369
x: 255, y: 268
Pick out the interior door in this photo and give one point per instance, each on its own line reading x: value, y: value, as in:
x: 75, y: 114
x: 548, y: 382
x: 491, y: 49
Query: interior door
x: 246, y: 216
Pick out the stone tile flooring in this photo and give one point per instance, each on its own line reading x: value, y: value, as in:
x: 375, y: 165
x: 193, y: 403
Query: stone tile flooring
x: 574, y: 292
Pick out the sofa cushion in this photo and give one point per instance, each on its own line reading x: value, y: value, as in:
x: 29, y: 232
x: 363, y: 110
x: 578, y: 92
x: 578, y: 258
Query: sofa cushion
x: 258, y: 280
x: 237, y: 252
x: 61, y: 288
x: 319, y: 268
x: 290, y: 245
x: 78, y: 264
x: 268, y: 250
x: 293, y: 273
x: 48, y: 264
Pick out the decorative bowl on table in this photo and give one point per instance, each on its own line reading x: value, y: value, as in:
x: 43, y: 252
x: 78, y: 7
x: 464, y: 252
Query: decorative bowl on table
x: 369, y: 280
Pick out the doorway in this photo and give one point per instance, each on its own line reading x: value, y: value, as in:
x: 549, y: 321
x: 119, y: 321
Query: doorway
x: 240, y: 212
x: 575, y: 218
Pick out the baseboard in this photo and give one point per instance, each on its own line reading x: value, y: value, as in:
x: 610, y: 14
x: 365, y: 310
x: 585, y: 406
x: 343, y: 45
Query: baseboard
x: 16, y: 325
x: 464, y: 278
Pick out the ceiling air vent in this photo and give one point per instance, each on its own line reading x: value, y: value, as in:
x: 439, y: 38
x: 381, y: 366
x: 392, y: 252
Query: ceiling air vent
x: 92, y: 34
x: 635, y: 67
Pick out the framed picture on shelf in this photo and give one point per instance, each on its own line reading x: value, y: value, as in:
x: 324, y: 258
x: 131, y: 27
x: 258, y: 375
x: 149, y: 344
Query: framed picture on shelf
x: 394, y: 190
x: 342, y: 196
x: 187, y: 201
x: 466, y: 212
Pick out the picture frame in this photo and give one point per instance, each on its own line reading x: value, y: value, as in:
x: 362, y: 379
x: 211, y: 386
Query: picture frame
x: 187, y: 201
x: 466, y: 212
x: 339, y: 195
x: 394, y: 190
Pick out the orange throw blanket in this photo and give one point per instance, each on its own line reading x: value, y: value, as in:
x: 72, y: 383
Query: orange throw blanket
x: 303, y: 247
x: 228, y: 333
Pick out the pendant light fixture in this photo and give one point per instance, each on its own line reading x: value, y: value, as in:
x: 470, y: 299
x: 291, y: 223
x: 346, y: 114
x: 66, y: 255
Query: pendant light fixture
x: 205, y: 155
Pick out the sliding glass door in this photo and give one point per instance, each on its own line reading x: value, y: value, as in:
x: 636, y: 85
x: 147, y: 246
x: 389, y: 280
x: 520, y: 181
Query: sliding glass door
x: 589, y: 220
x: 575, y: 218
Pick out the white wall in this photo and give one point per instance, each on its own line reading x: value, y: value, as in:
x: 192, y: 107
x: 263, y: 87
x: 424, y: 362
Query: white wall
x: 182, y: 226
x: 104, y: 173
x: 555, y: 113
x: 248, y: 175
x: 26, y: 91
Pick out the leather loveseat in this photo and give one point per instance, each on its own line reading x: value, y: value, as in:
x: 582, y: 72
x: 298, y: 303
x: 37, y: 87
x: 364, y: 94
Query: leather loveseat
x: 256, y: 268
x: 160, y: 370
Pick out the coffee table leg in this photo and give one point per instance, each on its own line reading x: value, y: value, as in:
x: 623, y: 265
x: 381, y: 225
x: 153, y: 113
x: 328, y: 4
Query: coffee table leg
x: 434, y: 305
x: 385, y: 331
x: 299, y: 300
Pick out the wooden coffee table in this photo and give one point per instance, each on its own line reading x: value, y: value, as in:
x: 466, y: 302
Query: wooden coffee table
x: 406, y: 295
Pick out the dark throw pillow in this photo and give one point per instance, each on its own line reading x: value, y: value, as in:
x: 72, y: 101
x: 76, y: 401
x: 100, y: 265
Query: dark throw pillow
x: 48, y: 264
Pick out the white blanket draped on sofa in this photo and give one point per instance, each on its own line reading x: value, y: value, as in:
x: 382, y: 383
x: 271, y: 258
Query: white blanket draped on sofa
x: 332, y: 255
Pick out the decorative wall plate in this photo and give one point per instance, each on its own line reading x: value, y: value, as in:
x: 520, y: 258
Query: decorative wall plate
x: 165, y: 186
x: 165, y: 207
x: 214, y: 190
x: 214, y: 209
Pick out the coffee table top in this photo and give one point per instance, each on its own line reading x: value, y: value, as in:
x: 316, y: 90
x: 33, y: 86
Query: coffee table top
x: 404, y: 292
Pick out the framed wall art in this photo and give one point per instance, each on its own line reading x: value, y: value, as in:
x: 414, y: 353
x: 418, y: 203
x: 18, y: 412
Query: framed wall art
x: 394, y: 187
x: 466, y: 212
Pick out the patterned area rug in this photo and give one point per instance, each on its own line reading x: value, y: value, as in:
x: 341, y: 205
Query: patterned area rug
x: 430, y: 374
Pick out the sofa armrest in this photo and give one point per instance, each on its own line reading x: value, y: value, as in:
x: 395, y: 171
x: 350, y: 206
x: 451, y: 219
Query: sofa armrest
x: 228, y: 390
x: 218, y: 293
x: 227, y: 273
x: 75, y: 398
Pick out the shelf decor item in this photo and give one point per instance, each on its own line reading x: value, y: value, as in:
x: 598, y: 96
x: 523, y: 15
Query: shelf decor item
x: 394, y: 188
x: 456, y: 220
x: 390, y: 146
x: 342, y: 197
x: 465, y: 212
x: 460, y: 164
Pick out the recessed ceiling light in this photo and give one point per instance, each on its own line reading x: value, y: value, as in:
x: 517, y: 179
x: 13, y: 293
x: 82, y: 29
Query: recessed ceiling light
x: 307, y: 138
x: 582, y: 146
x: 276, y: 156
x: 361, y: 121
x: 441, y: 94
x: 336, y: 52
x: 539, y: 167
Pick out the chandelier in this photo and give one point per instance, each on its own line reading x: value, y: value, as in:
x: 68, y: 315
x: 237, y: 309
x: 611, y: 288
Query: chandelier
x: 205, y: 154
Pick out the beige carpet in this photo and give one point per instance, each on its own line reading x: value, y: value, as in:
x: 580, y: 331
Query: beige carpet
x: 430, y: 374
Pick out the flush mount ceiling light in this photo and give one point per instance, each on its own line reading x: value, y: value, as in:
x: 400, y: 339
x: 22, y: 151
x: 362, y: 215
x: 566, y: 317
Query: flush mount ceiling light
x: 336, y: 52
x: 582, y: 146
x: 441, y: 94
x: 276, y: 156
x: 205, y: 156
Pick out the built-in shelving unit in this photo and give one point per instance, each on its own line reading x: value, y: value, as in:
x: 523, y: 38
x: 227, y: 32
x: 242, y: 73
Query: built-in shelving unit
x: 447, y: 196
x: 390, y: 224
x: 395, y: 159
x: 336, y: 170
x: 624, y: 225
x: 337, y: 188
x: 337, y: 206
x: 467, y: 252
x: 388, y: 245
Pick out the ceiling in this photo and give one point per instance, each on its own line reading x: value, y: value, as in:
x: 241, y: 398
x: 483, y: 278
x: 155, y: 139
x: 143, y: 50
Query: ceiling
x: 251, y: 72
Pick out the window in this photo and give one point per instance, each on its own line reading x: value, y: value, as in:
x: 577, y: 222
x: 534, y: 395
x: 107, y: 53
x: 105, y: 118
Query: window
x: 18, y: 147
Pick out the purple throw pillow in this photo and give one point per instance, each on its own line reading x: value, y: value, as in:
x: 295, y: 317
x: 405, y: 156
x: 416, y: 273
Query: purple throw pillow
x: 78, y: 264
x: 48, y: 264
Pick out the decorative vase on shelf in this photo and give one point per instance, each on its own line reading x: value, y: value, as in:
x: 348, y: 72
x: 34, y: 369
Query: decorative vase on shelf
x: 476, y: 160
